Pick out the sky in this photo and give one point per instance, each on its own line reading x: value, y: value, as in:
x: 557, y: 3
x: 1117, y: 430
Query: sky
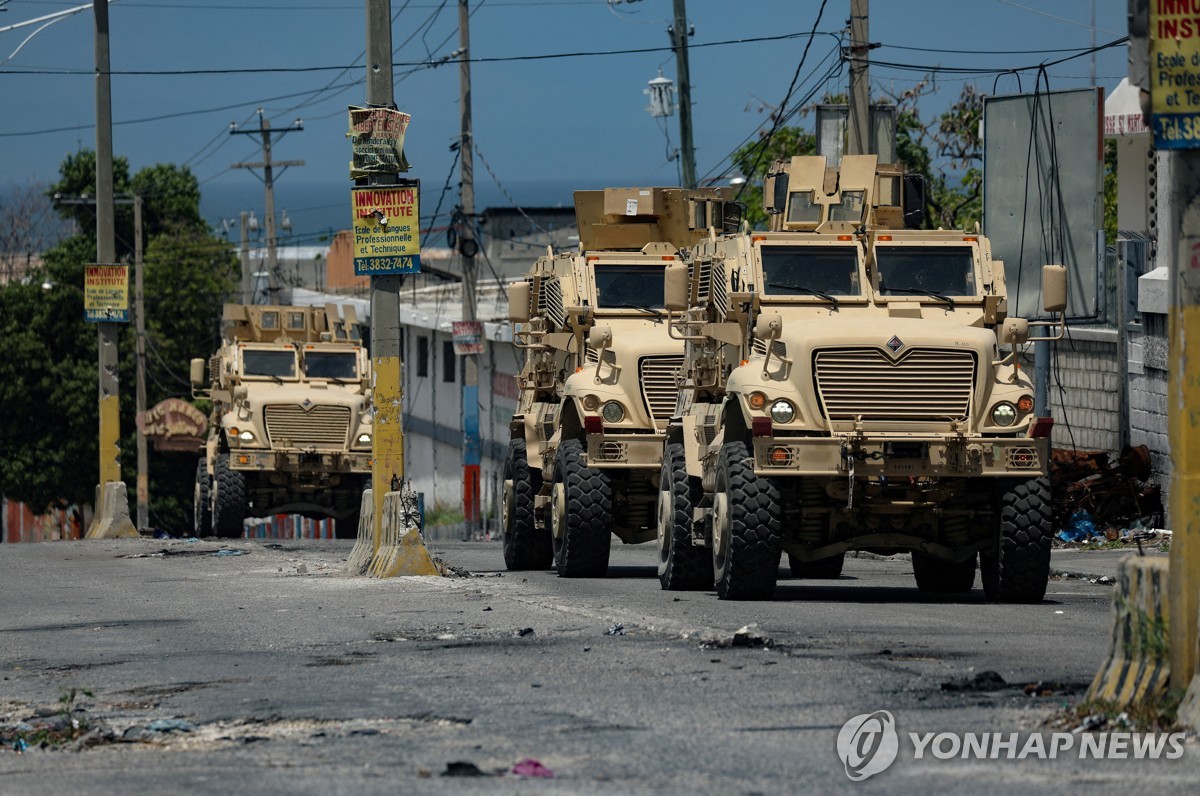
x: 542, y: 127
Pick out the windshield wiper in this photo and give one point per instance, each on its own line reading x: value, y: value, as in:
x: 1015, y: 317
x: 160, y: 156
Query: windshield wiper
x: 918, y: 291
x: 643, y: 308
x: 804, y: 289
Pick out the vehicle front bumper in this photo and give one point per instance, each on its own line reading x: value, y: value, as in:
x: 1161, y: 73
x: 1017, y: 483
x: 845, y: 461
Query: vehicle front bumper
x: 625, y: 450
x: 300, y: 462
x: 894, y: 456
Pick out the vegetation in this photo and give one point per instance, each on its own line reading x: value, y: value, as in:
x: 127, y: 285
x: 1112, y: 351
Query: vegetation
x: 48, y: 376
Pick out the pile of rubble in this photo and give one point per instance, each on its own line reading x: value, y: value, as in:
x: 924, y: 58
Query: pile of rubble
x: 1095, y: 499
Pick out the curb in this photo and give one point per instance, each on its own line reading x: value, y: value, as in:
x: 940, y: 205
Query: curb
x: 1138, y: 665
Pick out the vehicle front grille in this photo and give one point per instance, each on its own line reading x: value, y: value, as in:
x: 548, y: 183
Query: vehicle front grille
x: 703, y: 279
x: 289, y: 426
x: 924, y: 385
x: 659, y: 386
x: 719, y: 297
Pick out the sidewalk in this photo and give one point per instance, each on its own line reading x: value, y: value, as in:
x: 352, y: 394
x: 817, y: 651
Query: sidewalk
x: 1088, y: 564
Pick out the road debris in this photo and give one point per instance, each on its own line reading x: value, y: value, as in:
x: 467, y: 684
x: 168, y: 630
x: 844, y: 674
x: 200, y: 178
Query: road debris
x: 615, y: 630
x: 748, y: 636
x: 531, y: 768
x: 983, y: 681
x: 225, y: 552
x: 464, y: 768
x: 1094, y: 499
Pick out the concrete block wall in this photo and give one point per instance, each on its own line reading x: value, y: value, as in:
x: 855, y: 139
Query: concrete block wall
x: 1148, y: 365
x: 1085, y: 388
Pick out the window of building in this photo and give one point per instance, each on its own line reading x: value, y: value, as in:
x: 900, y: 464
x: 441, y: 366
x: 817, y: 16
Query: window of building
x: 422, y: 356
x: 449, y: 361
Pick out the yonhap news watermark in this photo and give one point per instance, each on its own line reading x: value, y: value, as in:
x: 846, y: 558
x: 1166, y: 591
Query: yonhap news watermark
x: 868, y: 744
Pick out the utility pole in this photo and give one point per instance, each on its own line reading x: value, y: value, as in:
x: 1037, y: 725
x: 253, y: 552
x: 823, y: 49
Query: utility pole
x: 679, y: 38
x: 859, y: 132
x: 268, y: 177
x: 106, y: 252
x: 468, y: 247
x: 139, y: 308
x: 244, y: 251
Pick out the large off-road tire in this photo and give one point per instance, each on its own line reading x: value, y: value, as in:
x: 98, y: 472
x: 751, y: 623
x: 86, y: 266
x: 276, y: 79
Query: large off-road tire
x: 937, y: 576
x: 525, y: 545
x: 746, y: 528
x: 825, y: 569
x: 202, y: 501
x: 681, y: 565
x: 582, y: 513
x: 228, y: 500
x: 1017, y: 570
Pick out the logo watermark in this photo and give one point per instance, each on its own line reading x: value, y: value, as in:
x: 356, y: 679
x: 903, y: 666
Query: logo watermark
x: 869, y: 744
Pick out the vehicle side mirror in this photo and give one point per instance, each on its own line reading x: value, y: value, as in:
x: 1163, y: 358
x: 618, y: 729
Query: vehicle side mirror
x: 769, y: 326
x: 197, y: 372
x: 1054, y: 288
x: 676, y: 287
x: 519, y: 294
x: 1014, y: 332
x: 600, y: 337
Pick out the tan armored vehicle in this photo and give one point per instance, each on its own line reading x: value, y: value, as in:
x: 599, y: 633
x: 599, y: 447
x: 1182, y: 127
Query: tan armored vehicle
x: 850, y: 385
x: 291, y: 421
x: 599, y: 381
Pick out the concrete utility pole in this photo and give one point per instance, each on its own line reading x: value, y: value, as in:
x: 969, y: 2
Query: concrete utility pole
x: 468, y: 247
x: 859, y: 132
x: 679, y: 39
x: 106, y: 253
x: 143, y: 472
x: 268, y: 178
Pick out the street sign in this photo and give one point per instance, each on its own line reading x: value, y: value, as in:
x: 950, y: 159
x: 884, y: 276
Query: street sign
x: 387, y: 229
x: 174, y: 425
x: 106, y: 294
x: 468, y: 337
x: 377, y: 141
x: 1175, y: 75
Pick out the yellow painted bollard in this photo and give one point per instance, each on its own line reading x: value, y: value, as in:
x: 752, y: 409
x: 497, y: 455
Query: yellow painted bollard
x: 401, y: 548
x: 364, y: 545
x: 1138, y: 668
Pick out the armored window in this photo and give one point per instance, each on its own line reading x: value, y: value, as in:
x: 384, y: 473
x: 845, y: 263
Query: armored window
x: 909, y: 270
x: 849, y: 209
x: 449, y: 361
x: 422, y: 357
x: 629, y: 286
x: 801, y: 209
x: 810, y: 270
x: 295, y: 320
x: 274, y: 364
x: 331, y: 365
x: 270, y: 320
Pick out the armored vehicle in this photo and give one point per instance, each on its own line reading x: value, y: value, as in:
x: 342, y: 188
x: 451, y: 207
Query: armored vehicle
x: 850, y: 383
x: 291, y: 422
x: 599, y: 381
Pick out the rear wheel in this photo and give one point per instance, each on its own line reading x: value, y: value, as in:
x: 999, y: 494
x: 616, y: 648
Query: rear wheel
x: 581, y: 513
x: 228, y: 500
x: 202, y: 501
x: 1017, y: 570
x: 681, y: 565
x: 937, y: 576
x: 825, y: 569
x: 525, y: 545
x: 746, y: 528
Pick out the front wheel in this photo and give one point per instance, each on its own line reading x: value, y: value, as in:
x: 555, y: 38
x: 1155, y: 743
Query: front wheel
x: 1018, y: 569
x: 581, y: 514
x: 202, y: 501
x: 525, y: 545
x: 228, y: 500
x: 746, y: 528
x: 681, y: 565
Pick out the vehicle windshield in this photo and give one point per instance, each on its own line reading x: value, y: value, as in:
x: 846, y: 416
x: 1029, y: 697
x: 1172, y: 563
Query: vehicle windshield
x: 278, y: 363
x: 929, y: 270
x: 810, y: 270
x: 330, y: 365
x: 629, y: 286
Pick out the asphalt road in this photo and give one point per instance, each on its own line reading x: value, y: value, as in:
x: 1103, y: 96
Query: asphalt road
x: 297, y: 679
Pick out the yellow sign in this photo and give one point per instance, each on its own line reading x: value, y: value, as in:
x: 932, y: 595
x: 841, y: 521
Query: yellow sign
x: 387, y: 229
x: 106, y: 293
x: 1175, y: 73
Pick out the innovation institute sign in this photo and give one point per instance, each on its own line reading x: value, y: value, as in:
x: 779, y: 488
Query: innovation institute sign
x: 387, y: 229
x: 1175, y: 73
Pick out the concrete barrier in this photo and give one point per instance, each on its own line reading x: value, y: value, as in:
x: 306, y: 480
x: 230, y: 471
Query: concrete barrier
x: 1138, y: 666
x: 113, y: 520
x: 364, y: 546
x: 401, y: 549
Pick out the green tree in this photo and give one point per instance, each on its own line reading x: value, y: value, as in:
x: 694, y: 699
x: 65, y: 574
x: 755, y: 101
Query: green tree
x: 48, y: 374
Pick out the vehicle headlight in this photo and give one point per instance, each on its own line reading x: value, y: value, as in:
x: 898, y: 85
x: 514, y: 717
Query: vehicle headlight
x: 782, y: 411
x: 1005, y: 414
x: 364, y: 439
x: 246, y: 436
x: 612, y: 412
x: 590, y: 402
